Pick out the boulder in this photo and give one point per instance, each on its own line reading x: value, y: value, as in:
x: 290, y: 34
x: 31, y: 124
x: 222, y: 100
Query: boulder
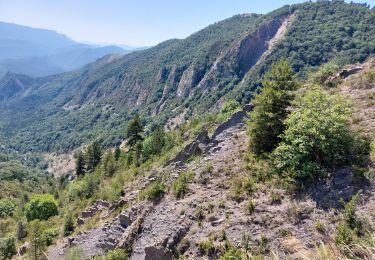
x: 23, y: 249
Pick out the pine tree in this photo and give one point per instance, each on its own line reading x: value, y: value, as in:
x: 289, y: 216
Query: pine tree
x: 117, y: 153
x: 93, y: 156
x: 266, y: 120
x: 21, y: 230
x: 134, y: 131
x: 36, y: 243
x: 80, y: 163
x: 109, y: 164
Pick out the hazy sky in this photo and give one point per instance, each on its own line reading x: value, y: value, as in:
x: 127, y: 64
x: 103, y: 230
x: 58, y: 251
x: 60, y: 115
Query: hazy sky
x: 132, y: 22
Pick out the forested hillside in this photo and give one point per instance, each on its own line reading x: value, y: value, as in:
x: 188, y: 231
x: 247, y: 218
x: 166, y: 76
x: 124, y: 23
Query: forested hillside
x: 181, y: 78
x: 250, y: 139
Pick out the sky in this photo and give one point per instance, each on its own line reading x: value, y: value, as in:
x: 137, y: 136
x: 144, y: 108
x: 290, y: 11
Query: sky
x: 131, y: 22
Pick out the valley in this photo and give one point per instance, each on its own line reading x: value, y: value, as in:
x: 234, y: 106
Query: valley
x: 253, y: 138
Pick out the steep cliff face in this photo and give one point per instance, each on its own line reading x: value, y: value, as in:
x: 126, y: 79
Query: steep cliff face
x: 244, y: 55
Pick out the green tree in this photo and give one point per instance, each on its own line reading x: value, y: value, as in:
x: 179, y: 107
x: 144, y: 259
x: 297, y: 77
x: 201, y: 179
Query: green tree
x: 7, y: 247
x: 36, y: 241
x: 68, y: 225
x: 6, y: 207
x: 155, y: 143
x: 41, y: 206
x: 117, y: 153
x: 318, y: 135
x: 80, y: 163
x: 93, y: 156
x: 109, y: 164
x: 21, y: 230
x: 266, y: 120
x: 134, y: 131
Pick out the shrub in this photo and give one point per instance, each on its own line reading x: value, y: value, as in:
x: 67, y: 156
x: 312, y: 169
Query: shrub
x: 183, y: 246
x: 372, y: 151
x: 154, y: 144
x: 7, y: 247
x: 48, y: 236
x: 116, y: 254
x: 41, y: 206
x: 154, y: 191
x: 324, y: 73
x: 206, y: 247
x: 6, y: 208
x: 275, y: 198
x: 199, y: 215
x: 180, y: 186
x: 232, y: 254
x: 349, y: 213
x: 68, y: 225
x: 250, y: 206
x: 317, y: 136
x: 319, y: 226
x: 344, y: 234
x: 206, y: 173
x: 249, y: 186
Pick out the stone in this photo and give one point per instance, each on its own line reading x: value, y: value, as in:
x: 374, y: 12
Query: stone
x: 23, y: 249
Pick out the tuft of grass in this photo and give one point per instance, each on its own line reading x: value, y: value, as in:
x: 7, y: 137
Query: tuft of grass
x: 154, y: 191
x: 206, y: 247
x: 183, y: 246
x: 180, y: 186
x: 319, y: 226
x: 250, y: 206
x: 275, y: 198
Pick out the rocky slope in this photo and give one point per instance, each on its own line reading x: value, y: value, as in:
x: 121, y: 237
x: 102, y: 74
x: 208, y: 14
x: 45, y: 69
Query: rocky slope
x: 283, y: 222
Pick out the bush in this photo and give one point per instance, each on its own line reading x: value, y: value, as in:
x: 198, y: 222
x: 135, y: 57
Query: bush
x: 154, y: 144
x: 180, y: 186
x: 232, y: 254
x: 344, y: 234
x: 318, y: 135
x: 6, y: 208
x: 250, y: 207
x: 154, y: 191
x: 324, y: 73
x: 350, y: 216
x: 41, y: 206
x: 68, y: 225
x: 7, y: 247
x: 49, y: 235
x: 116, y: 254
x: 206, y: 247
x: 183, y: 246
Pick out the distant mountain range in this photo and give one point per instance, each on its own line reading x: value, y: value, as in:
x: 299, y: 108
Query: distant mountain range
x: 178, y: 79
x: 40, y: 52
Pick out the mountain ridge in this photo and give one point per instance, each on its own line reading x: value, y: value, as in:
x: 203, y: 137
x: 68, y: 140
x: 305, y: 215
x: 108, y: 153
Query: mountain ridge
x: 173, y: 78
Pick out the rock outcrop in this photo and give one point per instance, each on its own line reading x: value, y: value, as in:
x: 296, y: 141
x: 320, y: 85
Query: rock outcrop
x: 203, y: 142
x: 112, y: 234
x: 23, y: 249
x: 98, y: 206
